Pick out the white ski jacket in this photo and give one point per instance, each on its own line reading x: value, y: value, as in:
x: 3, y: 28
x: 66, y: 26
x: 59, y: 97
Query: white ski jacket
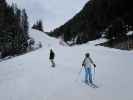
x: 88, y: 62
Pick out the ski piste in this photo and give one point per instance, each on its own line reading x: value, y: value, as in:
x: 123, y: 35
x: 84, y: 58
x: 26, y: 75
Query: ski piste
x: 31, y: 77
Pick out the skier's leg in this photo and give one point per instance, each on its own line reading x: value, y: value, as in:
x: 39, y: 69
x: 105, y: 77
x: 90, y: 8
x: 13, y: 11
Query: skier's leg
x: 86, y: 75
x: 90, y: 75
x: 53, y: 64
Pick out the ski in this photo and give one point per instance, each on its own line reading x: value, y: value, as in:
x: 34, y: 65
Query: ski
x: 91, y: 85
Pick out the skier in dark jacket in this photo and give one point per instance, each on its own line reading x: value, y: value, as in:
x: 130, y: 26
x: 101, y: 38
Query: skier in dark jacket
x: 51, y: 57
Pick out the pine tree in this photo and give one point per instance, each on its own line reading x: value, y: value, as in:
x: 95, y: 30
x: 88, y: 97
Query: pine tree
x: 2, y: 13
x: 38, y: 25
x: 13, y: 29
x: 116, y: 31
x: 24, y: 21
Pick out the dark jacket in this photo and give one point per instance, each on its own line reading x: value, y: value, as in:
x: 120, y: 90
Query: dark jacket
x: 52, y: 55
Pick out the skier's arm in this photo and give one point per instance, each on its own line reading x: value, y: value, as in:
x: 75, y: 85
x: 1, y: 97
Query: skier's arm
x: 83, y: 63
x: 92, y: 62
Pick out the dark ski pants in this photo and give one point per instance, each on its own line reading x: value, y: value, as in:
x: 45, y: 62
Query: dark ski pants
x: 52, y: 62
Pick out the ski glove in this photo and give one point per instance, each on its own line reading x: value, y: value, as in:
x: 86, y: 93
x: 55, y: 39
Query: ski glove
x: 94, y: 65
x: 82, y: 65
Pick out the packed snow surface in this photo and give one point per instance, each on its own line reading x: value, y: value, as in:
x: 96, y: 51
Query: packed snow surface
x: 31, y: 77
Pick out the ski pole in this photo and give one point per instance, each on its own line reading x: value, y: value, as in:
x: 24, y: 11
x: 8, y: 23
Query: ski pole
x: 80, y: 71
x: 78, y: 74
x: 94, y: 74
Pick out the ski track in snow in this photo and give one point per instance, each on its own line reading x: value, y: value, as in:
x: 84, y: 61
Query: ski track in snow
x: 31, y: 77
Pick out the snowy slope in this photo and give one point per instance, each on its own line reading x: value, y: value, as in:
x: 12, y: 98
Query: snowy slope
x: 30, y: 76
x: 43, y: 38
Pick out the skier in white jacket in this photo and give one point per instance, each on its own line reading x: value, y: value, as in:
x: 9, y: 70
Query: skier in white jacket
x: 87, y: 64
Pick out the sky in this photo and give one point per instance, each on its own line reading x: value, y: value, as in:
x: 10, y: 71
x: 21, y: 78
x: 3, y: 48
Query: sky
x: 53, y: 13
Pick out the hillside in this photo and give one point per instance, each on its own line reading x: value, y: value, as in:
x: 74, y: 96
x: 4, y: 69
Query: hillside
x: 111, y: 17
x: 53, y: 13
x: 31, y: 77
